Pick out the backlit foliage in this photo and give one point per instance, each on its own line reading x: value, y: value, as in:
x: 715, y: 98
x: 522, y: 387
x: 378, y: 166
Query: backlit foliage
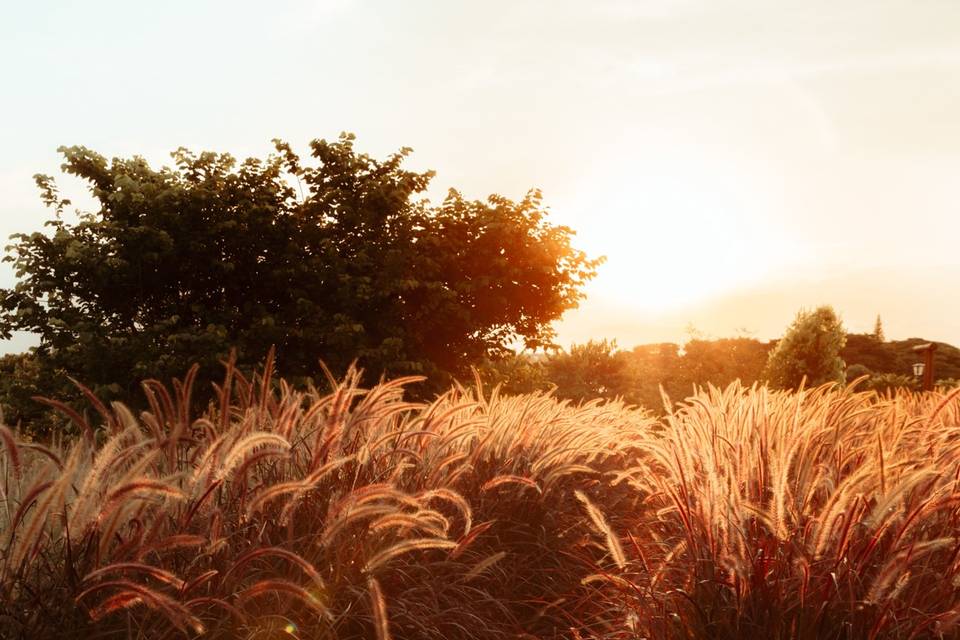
x: 334, y: 255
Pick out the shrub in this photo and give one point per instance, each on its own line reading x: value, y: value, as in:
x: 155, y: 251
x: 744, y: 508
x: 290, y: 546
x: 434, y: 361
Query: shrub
x: 890, y: 382
x: 855, y: 371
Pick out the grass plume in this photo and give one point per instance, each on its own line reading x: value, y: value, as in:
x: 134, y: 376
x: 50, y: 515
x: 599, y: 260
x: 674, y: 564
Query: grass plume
x: 826, y: 513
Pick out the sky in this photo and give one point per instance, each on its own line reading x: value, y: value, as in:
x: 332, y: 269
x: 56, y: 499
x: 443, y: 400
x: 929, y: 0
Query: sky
x: 735, y: 161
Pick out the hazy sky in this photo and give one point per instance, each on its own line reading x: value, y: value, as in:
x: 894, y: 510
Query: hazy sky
x: 735, y: 161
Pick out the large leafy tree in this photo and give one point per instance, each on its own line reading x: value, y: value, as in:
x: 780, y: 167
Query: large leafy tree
x: 810, y: 349
x: 334, y: 257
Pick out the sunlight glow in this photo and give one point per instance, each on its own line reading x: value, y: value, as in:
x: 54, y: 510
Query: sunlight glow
x: 677, y: 229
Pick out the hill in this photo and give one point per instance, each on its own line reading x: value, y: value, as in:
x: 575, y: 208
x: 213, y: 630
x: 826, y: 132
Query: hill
x: 898, y: 357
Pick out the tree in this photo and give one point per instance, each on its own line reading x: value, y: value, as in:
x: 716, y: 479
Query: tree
x: 21, y: 378
x: 809, y: 349
x: 338, y: 257
x: 855, y: 371
x: 723, y: 360
x: 516, y: 373
x: 865, y: 349
x: 592, y: 370
x: 652, y: 367
x: 878, y: 330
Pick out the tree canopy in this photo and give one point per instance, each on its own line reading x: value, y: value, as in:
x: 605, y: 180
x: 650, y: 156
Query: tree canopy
x: 878, y: 330
x: 587, y: 371
x: 810, y: 349
x: 335, y: 257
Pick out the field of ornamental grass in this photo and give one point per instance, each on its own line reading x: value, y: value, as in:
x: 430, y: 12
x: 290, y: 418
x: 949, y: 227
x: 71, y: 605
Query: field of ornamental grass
x: 746, y: 513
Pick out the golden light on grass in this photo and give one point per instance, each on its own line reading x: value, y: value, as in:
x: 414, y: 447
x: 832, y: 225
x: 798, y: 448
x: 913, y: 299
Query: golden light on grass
x: 796, y: 513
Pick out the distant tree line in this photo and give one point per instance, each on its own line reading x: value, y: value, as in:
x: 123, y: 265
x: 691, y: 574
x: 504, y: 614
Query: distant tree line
x: 814, y: 348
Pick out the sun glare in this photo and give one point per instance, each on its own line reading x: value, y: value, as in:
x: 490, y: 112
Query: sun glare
x: 675, y: 232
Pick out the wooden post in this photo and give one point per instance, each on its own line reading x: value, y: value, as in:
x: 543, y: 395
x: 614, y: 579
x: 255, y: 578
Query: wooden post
x: 928, y: 350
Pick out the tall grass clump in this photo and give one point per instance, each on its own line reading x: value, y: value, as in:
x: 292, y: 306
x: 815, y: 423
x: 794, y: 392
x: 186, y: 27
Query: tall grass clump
x: 822, y: 513
x: 283, y: 513
x: 352, y: 513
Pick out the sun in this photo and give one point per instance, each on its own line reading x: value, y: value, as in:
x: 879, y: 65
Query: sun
x: 675, y: 233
